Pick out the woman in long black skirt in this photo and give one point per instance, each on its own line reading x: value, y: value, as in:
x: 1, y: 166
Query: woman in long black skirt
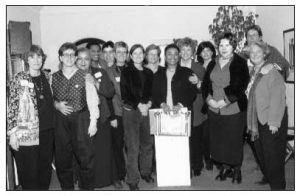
x: 223, y: 88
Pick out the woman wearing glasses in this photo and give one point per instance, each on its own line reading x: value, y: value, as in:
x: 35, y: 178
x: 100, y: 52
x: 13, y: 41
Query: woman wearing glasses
x: 76, y: 120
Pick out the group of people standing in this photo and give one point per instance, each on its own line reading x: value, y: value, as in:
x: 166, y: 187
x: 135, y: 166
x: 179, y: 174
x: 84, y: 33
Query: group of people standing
x: 95, y: 110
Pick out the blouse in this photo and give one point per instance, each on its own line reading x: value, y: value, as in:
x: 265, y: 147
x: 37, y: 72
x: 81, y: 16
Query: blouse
x: 220, y: 79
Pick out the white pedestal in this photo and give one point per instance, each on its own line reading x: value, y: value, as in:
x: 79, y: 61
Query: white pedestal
x: 172, y: 160
x: 172, y: 152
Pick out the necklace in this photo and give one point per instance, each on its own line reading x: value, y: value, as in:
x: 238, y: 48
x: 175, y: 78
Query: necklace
x: 39, y: 88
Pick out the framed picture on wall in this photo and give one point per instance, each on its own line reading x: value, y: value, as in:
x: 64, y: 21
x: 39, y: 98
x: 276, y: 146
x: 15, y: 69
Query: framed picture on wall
x: 289, y: 50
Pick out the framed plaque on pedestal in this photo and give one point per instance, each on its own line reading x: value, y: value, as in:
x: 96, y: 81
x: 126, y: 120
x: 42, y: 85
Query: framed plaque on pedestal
x: 171, y: 132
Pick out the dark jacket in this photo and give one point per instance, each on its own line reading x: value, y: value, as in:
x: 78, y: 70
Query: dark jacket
x: 198, y: 116
x: 239, y: 79
x: 114, y: 73
x: 183, y: 91
x: 133, y: 90
x: 45, y: 107
x: 106, y: 92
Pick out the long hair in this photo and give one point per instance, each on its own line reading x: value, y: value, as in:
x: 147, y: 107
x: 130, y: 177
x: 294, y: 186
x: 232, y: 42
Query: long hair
x: 132, y: 49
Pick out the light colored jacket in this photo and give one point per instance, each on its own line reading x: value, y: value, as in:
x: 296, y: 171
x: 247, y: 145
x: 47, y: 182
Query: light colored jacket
x: 270, y: 99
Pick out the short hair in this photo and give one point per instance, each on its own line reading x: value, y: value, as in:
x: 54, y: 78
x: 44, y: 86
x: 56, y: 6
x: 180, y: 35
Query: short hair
x: 230, y: 37
x: 187, y: 42
x: 153, y: 47
x: 90, y: 44
x: 171, y: 46
x: 120, y: 44
x: 67, y: 46
x: 256, y: 28
x: 34, y: 49
x: 264, y: 46
x: 108, y: 44
x: 201, y: 47
x: 82, y: 49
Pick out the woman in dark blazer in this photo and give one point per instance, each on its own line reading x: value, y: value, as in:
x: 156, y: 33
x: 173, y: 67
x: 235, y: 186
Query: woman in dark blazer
x: 267, y: 118
x: 223, y: 89
x: 187, y: 48
x: 171, y: 89
x: 136, y: 84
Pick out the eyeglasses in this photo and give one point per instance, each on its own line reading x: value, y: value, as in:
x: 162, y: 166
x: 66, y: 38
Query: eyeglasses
x: 66, y: 55
x: 121, y: 52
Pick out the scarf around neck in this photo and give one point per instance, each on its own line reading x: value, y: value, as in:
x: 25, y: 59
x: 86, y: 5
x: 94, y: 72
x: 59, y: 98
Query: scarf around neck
x: 252, y: 119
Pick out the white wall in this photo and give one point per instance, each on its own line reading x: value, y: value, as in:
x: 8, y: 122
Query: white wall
x: 146, y: 24
x: 274, y: 20
x: 143, y: 24
x: 54, y: 25
x: 26, y: 14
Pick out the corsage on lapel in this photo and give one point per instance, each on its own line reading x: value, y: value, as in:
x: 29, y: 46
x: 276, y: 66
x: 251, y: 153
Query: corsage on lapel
x: 98, y: 76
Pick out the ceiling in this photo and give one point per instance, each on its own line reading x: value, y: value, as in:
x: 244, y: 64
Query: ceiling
x: 35, y: 8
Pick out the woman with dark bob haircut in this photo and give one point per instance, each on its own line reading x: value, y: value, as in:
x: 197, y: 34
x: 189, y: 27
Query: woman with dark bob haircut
x: 200, y: 151
x: 31, y: 122
x: 224, y: 88
x: 210, y: 48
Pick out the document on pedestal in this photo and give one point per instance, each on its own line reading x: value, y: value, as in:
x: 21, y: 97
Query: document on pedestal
x: 173, y: 124
x: 170, y: 124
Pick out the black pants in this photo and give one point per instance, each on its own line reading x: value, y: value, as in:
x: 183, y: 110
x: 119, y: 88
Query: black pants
x: 34, y: 163
x: 71, y: 138
x: 271, y: 149
x: 199, y: 146
x: 45, y: 158
x: 27, y: 165
x: 118, y: 147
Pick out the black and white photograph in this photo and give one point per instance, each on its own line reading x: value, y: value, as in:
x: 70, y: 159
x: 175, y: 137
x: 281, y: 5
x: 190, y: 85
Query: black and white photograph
x: 149, y: 97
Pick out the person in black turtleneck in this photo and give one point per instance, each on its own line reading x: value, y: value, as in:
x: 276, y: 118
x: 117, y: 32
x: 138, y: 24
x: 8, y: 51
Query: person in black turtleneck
x: 46, y: 120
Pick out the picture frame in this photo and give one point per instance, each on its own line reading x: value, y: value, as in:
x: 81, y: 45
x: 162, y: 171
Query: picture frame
x: 289, y: 51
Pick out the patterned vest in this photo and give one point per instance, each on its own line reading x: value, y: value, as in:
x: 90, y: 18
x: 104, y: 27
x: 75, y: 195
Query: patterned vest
x: 70, y: 90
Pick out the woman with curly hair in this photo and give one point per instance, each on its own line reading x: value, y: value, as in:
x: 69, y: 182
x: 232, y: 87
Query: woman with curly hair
x: 224, y: 88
